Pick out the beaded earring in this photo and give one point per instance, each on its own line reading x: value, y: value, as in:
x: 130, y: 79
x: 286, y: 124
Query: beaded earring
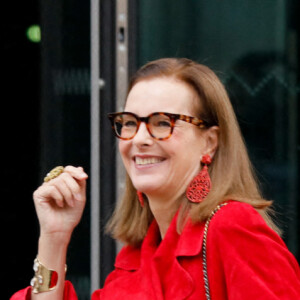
x: 140, y: 198
x: 201, y: 184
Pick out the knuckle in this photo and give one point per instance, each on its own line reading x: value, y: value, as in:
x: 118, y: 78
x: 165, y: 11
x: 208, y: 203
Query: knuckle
x: 35, y: 194
x: 52, y: 190
x: 69, y: 168
x: 57, y: 180
x: 64, y: 176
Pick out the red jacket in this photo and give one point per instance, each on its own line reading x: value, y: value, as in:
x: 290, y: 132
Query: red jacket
x: 246, y: 260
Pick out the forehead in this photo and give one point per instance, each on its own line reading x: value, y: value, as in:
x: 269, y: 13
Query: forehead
x: 162, y: 95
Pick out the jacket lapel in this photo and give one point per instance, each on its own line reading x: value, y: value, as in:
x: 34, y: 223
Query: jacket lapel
x: 175, y: 280
x: 169, y: 279
x: 191, y: 240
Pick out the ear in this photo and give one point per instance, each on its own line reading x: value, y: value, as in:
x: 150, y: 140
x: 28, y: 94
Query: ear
x: 212, y: 140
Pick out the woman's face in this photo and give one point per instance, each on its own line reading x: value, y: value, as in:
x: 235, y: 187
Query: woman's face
x: 165, y: 168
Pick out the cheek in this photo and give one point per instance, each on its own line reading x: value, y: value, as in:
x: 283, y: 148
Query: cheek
x: 189, y: 143
x: 187, y: 150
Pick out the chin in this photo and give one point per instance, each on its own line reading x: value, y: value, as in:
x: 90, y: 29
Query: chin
x: 146, y: 187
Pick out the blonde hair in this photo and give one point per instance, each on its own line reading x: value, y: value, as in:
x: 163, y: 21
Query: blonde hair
x: 231, y: 171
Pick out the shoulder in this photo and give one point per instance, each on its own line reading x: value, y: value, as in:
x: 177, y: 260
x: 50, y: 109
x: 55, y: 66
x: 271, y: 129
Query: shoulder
x: 128, y: 258
x: 241, y: 221
x: 249, y: 251
x: 238, y: 228
x: 234, y: 213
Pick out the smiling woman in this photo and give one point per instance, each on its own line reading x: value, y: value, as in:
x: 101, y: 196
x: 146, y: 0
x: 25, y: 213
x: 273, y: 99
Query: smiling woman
x: 163, y: 182
x: 178, y: 156
x: 182, y: 86
x: 188, y: 170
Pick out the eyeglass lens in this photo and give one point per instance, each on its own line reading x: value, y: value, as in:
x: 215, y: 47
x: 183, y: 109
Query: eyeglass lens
x: 158, y: 125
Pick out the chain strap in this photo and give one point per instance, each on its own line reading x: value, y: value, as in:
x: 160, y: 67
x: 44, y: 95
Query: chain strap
x: 205, y: 275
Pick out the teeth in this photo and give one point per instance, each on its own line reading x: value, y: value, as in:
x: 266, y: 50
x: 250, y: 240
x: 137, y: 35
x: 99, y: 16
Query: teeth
x: 147, y: 161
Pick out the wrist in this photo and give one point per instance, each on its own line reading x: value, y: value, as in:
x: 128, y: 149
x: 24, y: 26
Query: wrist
x: 53, y: 252
x: 59, y: 239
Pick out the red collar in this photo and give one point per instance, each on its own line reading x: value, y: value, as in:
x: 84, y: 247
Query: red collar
x: 188, y: 243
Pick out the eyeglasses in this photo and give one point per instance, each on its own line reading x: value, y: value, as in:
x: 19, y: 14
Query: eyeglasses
x: 160, y: 125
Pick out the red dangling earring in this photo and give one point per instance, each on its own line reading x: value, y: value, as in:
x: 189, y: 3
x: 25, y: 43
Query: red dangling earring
x: 201, y: 184
x: 140, y: 198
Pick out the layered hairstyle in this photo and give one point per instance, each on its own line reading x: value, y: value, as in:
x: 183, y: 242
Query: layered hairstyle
x: 231, y: 171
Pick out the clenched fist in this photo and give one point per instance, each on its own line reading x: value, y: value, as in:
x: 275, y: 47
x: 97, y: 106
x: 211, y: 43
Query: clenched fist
x: 59, y: 203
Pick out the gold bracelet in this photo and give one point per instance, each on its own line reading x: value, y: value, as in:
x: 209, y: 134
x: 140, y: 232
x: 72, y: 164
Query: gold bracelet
x: 44, y: 279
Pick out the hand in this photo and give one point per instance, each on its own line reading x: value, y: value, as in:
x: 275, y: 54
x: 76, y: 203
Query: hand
x: 59, y: 203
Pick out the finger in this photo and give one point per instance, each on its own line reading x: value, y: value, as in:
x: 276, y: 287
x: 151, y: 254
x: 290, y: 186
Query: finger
x: 77, y: 173
x: 48, y: 193
x: 63, y: 187
x: 73, y: 185
x: 82, y: 184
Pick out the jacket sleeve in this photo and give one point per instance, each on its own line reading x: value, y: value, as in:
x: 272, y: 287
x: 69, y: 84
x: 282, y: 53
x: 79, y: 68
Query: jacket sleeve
x: 247, y: 259
x: 25, y: 294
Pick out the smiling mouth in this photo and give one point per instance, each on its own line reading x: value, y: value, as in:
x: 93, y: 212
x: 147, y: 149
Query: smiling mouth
x: 148, y: 160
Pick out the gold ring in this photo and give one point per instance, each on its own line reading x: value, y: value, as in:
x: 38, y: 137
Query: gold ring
x: 54, y: 173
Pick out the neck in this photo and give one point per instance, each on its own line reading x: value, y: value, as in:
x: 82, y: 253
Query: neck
x: 163, y: 211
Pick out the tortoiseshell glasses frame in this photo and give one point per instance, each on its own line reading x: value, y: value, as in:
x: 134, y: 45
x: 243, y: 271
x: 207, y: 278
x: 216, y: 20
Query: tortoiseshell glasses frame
x: 160, y: 125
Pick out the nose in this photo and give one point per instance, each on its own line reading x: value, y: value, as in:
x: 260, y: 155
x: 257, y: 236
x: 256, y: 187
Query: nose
x: 142, y: 136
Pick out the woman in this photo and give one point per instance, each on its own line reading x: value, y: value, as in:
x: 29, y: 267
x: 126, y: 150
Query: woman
x: 187, y: 166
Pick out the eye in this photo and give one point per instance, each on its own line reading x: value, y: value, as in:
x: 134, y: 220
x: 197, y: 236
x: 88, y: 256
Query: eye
x: 161, y: 121
x: 129, y: 123
x: 164, y: 123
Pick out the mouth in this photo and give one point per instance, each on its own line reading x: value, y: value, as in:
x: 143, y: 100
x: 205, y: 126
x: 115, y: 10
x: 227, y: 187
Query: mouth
x: 143, y: 161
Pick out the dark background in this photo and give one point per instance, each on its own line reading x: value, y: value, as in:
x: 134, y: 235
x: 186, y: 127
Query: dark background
x: 20, y: 127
